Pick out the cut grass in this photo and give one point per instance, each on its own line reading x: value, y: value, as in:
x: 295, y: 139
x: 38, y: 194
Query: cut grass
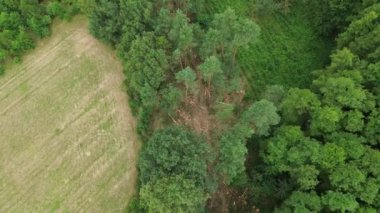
x: 67, y: 137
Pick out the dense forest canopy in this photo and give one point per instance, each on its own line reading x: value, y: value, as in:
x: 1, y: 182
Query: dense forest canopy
x: 207, y: 146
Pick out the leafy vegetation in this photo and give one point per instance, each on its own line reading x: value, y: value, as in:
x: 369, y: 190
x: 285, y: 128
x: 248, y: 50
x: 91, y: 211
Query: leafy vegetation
x: 326, y: 143
x: 185, y: 56
x: 238, y: 103
x: 21, y: 22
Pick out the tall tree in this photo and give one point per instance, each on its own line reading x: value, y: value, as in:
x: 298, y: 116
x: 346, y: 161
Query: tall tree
x: 173, y: 194
x: 187, y: 76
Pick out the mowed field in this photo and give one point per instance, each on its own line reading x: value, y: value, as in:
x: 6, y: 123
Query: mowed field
x: 67, y: 137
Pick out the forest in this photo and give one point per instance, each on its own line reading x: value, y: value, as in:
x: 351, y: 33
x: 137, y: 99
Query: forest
x: 241, y: 105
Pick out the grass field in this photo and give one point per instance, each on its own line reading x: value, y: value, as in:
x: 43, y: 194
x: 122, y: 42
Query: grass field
x: 67, y: 137
x: 286, y: 53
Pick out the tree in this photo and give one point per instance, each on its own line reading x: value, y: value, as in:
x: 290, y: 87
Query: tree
x: 325, y: 120
x: 306, y: 176
x: 332, y: 156
x: 343, y: 92
x: 274, y: 94
x: 337, y: 201
x: 148, y: 96
x: 227, y: 34
x: 174, y: 151
x: 55, y: 9
x: 146, y: 65
x: 233, y: 152
x: 302, y: 202
x: 262, y: 115
x: 210, y: 68
x: 352, y: 144
x: 372, y: 131
x: 187, y: 76
x: 330, y: 17
x: 256, y: 119
x: 171, y: 99
x: 135, y: 17
x: 298, y: 105
x: 290, y: 149
x: 346, y: 177
x: 362, y: 35
x: 21, y: 43
x: 354, y: 121
x: 103, y: 23
x: 172, y: 194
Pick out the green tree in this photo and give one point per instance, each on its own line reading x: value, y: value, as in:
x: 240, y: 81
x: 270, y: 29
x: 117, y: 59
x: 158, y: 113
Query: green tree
x: 54, y: 8
x: 172, y: 194
x: 354, y: 121
x: 347, y: 177
x: 332, y: 156
x: 298, y: 105
x: 174, y: 151
x: 352, y: 144
x: 146, y: 65
x: 302, y: 202
x: 362, y: 35
x: 372, y: 131
x: 233, y: 151
x: 262, y: 115
x: 227, y: 34
x: 306, y: 177
x: 171, y: 99
x: 274, y: 94
x: 343, y: 92
x: 134, y: 18
x: 210, y: 68
x: 325, y: 120
x: 290, y: 149
x: 337, y: 201
x: 188, y: 77
x: 104, y: 23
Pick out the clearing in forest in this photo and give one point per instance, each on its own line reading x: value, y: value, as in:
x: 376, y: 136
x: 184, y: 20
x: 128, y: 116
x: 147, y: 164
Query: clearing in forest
x: 67, y: 138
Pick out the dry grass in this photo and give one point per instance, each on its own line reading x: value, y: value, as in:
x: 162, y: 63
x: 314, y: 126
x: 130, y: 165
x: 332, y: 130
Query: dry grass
x: 67, y: 136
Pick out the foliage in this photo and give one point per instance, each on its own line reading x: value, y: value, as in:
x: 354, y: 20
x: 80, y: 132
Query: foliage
x: 302, y: 202
x: 187, y: 76
x: 228, y: 33
x: 298, y: 104
x: 173, y: 167
x: 330, y: 149
x: 326, y: 147
x: 285, y: 53
x: 23, y: 21
x: 330, y: 17
x: 20, y: 23
x: 172, y: 194
x: 362, y: 35
x: 262, y: 114
x: 256, y: 119
x: 174, y: 151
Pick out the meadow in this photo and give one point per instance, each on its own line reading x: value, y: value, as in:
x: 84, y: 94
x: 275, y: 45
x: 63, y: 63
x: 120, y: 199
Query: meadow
x: 67, y: 136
